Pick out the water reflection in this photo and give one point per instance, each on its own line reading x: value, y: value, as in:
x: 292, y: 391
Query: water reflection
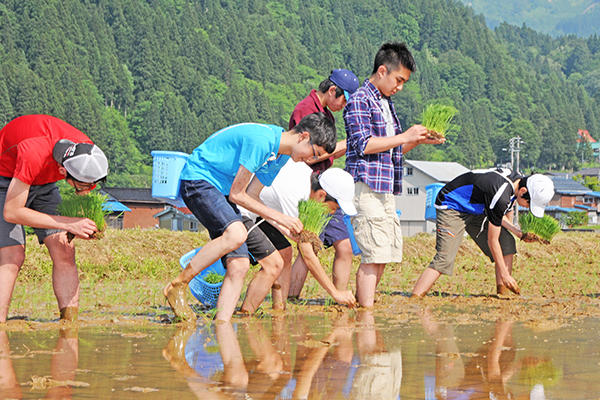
x: 356, y: 356
x: 312, y: 355
x: 63, y: 364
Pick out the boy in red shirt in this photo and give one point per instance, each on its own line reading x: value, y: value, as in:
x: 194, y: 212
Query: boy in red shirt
x: 36, y: 151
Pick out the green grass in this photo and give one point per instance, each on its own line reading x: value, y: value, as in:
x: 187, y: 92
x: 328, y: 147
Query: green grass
x: 437, y: 118
x: 545, y: 227
x: 313, y: 215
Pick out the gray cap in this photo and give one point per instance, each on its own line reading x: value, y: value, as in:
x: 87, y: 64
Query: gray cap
x: 83, y: 161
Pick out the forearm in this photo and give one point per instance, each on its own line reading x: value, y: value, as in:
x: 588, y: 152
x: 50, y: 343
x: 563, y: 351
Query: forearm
x: 256, y: 206
x: 376, y: 144
x: 314, y: 266
x: 27, y: 216
x: 340, y: 149
x: 511, y: 228
x: 496, y: 251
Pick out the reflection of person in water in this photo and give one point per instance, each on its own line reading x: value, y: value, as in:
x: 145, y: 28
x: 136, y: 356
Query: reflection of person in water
x: 261, y: 375
x: 322, y: 371
x: 64, y: 362
x: 379, y: 375
x: 9, y: 385
x: 489, y: 372
x: 449, y: 366
x: 175, y: 353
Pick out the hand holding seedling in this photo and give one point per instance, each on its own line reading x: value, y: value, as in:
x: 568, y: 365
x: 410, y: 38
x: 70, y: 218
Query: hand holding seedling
x: 530, y: 237
x: 345, y: 297
x: 292, y: 224
x: 416, y: 133
x: 82, y: 228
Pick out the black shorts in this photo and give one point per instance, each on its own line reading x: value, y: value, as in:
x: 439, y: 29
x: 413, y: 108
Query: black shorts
x: 259, y: 245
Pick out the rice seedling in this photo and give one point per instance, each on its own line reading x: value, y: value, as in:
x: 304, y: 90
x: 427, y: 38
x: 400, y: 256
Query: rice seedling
x: 213, y: 278
x: 436, y: 118
x: 314, y: 216
x: 89, y: 206
x: 545, y: 227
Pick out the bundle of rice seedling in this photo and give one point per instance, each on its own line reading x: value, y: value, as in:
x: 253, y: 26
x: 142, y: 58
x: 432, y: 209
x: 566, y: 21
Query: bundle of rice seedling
x: 436, y: 118
x: 545, y: 227
x: 213, y: 277
x: 88, y: 206
x: 314, y: 216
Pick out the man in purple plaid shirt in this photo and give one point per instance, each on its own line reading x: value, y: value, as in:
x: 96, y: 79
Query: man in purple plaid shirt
x: 375, y: 144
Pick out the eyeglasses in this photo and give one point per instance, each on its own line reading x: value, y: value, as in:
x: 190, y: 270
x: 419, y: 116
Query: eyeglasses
x: 82, y: 186
x: 315, y: 155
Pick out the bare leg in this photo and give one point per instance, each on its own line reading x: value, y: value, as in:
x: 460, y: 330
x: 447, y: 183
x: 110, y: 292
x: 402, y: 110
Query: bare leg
x: 65, y: 279
x: 367, y: 277
x: 425, y: 282
x: 500, y: 288
x: 11, y: 260
x: 237, y: 268
x: 342, y: 264
x: 299, y: 273
x: 281, y: 287
x: 263, y: 281
x: 175, y: 291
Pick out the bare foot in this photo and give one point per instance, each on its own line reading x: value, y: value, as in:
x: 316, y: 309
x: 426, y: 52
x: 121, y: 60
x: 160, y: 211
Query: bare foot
x: 69, y: 313
x: 175, y: 294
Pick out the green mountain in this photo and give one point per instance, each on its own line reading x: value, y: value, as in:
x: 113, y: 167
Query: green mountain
x: 554, y: 17
x: 138, y: 76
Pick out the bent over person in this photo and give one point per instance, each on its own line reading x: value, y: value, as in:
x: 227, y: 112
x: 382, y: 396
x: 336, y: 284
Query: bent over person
x: 480, y: 202
x: 36, y: 151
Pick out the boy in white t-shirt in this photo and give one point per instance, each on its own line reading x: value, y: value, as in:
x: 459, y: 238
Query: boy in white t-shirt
x: 296, y: 182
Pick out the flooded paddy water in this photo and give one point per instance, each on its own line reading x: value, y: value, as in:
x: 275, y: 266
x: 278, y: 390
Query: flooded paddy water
x: 438, y: 348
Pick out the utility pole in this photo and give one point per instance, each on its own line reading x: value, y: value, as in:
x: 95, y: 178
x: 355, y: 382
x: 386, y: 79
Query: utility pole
x: 514, y: 145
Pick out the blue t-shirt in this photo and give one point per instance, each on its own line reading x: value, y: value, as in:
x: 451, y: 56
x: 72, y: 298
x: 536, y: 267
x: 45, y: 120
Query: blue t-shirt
x: 218, y: 159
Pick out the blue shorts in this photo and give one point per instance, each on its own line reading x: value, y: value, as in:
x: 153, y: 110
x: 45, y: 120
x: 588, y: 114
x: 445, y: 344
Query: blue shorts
x: 214, y: 211
x: 335, y: 230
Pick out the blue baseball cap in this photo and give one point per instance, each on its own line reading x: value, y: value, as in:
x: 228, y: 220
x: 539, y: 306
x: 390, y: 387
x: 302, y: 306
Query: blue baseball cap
x: 345, y: 80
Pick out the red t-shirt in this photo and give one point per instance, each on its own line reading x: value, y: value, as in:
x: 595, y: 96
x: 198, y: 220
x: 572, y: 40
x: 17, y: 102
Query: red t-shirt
x: 26, y: 145
x: 310, y: 105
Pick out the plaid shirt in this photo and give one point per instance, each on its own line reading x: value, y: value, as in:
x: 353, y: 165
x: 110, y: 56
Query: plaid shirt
x: 363, y: 118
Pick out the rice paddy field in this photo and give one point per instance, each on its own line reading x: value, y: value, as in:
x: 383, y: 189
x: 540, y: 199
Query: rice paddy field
x: 460, y: 341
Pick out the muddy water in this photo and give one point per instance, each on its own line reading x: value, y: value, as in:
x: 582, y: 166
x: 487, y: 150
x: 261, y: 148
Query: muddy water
x: 349, y: 355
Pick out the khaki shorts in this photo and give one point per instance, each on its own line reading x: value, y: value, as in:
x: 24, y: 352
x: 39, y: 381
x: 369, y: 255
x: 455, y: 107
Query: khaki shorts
x: 450, y: 228
x: 376, y: 226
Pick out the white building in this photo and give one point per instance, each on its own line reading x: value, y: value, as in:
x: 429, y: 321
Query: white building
x: 417, y: 175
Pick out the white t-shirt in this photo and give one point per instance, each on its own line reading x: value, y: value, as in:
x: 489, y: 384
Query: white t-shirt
x: 291, y: 185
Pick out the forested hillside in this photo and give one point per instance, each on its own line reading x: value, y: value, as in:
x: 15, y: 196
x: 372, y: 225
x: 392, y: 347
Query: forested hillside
x: 558, y: 17
x: 143, y: 75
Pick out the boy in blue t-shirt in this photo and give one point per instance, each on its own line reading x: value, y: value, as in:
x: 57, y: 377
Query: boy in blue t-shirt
x: 218, y: 176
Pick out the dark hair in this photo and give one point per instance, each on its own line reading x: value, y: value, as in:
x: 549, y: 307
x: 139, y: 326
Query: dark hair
x: 321, y: 130
x: 316, y: 185
x: 326, y: 84
x: 523, y: 183
x: 392, y: 55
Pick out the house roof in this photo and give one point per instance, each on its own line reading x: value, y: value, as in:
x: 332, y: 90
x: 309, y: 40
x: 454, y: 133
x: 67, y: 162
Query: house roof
x: 588, y: 172
x: 568, y: 186
x: 131, y: 195
x: 115, y: 206
x: 438, y: 170
x: 177, y: 211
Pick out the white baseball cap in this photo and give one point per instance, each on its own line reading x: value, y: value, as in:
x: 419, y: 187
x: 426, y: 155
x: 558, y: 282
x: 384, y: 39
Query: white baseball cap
x: 541, y: 191
x: 83, y: 161
x: 340, y: 185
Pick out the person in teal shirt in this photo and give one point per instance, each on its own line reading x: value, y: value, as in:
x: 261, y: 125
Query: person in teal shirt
x: 229, y: 169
